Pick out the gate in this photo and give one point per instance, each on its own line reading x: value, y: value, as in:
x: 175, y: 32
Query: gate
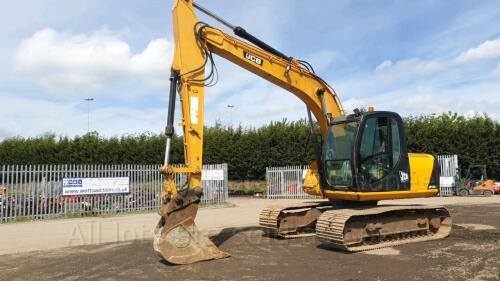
x: 286, y: 182
x: 449, y: 174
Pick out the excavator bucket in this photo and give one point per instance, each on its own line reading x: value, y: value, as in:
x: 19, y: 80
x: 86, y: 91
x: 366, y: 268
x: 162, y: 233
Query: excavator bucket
x: 178, y: 240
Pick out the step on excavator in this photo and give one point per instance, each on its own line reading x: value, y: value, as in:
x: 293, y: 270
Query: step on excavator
x: 361, y: 158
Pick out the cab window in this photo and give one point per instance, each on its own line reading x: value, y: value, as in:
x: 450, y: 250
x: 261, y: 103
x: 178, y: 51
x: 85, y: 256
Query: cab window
x: 380, y: 148
x: 337, y: 153
x: 396, y: 142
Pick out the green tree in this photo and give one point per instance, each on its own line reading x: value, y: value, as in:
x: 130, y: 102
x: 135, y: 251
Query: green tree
x: 248, y: 151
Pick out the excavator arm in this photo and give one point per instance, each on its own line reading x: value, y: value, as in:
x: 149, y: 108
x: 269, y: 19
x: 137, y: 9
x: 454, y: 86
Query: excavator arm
x: 195, y: 42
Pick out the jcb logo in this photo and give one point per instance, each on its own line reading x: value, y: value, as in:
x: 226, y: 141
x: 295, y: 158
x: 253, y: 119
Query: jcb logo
x: 403, y: 176
x: 252, y: 58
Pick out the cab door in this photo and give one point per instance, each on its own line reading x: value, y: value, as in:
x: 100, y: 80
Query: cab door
x: 380, y: 156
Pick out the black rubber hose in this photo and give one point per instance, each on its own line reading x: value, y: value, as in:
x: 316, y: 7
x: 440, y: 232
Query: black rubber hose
x: 241, y: 32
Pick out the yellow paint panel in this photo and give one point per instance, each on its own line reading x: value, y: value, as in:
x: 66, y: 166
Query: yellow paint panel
x: 421, y: 166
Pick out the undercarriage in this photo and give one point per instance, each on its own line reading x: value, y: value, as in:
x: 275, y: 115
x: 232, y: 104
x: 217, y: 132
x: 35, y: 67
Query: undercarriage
x: 358, y: 229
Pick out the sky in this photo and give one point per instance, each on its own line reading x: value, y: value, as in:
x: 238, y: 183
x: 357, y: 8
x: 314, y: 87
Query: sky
x: 412, y: 57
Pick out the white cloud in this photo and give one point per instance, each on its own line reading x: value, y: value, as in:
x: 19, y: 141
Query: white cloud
x: 387, y: 64
x: 26, y: 116
x: 153, y: 63
x: 423, y: 87
x: 65, y: 62
x: 497, y: 70
x: 389, y: 72
x: 490, y: 49
x: 421, y: 103
x: 321, y: 60
x: 350, y: 104
x: 415, y: 99
x: 256, y: 105
x: 4, y: 133
x: 62, y: 61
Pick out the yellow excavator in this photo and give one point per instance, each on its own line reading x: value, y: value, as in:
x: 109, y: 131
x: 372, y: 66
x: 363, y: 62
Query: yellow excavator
x: 361, y: 158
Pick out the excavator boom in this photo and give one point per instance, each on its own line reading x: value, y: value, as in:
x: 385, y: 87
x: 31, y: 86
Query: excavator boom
x: 195, y: 42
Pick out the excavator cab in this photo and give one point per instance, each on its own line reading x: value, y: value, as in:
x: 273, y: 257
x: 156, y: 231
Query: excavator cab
x: 366, y: 152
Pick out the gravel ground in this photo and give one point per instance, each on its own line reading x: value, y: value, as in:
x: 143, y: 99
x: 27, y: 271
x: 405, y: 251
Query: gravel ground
x: 471, y: 252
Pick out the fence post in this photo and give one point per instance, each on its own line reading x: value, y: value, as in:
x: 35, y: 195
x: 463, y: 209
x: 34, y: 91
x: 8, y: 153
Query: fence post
x: 282, y: 183
x: 267, y: 182
x: 2, y: 201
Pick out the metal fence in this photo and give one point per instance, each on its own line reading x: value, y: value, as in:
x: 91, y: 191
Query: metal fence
x: 35, y: 191
x: 449, y: 174
x: 286, y: 182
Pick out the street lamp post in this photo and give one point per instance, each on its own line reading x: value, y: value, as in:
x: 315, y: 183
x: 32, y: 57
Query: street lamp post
x: 88, y: 100
x: 231, y: 107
